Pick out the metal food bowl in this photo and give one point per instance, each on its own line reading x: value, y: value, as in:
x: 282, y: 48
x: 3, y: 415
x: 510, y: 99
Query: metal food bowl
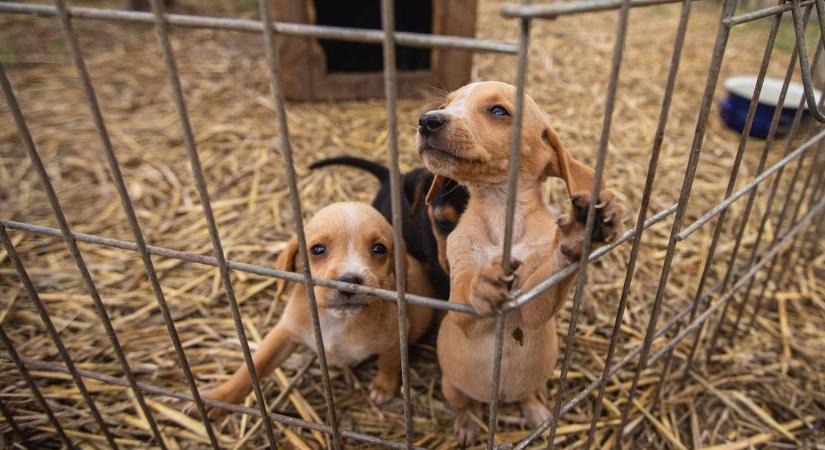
x: 734, y: 108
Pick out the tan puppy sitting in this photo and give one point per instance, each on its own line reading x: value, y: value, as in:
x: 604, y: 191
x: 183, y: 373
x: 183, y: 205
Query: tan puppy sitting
x: 349, y: 242
x: 468, y: 140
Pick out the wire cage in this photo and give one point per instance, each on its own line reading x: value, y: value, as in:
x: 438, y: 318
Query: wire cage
x: 803, y: 206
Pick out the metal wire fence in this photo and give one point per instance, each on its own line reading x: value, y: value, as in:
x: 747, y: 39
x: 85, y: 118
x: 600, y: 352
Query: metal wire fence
x: 686, y: 323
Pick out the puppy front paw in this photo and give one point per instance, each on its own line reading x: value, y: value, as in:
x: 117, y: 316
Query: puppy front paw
x: 465, y: 428
x: 221, y: 394
x: 607, y: 223
x: 491, y: 287
x: 384, y: 388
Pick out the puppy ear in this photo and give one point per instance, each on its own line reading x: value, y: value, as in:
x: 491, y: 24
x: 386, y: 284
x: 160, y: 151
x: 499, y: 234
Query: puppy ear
x: 416, y: 198
x: 576, y: 175
x: 438, y: 180
x: 286, y: 262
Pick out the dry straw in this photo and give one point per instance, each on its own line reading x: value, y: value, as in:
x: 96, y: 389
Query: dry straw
x: 767, y: 389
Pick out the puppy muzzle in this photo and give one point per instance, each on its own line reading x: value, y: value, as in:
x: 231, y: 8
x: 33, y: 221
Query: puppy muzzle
x: 430, y: 123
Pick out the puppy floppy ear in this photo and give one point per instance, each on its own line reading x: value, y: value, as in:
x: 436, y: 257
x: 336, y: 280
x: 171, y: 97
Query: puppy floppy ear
x: 286, y: 262
x: 418, y: 192
x: 438, y: 180
x: 576, y: 175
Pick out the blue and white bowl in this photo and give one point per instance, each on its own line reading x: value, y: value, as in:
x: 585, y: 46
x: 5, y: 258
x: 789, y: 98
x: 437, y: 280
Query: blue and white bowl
x: 734, y: 108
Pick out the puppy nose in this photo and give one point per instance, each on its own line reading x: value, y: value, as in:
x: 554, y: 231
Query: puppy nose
x: 430, y: 122
x: 352, y: 279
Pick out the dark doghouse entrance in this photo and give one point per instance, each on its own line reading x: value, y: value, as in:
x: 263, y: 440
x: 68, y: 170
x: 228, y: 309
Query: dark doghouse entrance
x: 410, y: 15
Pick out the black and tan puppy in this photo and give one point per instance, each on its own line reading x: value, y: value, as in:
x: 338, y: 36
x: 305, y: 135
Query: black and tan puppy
x: 425, y: 227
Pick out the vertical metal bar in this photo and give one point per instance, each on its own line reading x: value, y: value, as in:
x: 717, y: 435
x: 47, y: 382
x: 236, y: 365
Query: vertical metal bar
x: 297, y: 215
x: 509, y: 214
x: 765, y: 217
x: 65, y: 229
x: 746, y: 215
x: 123, y: 193
x: 581, y: 277
x: 498, y: 349
x: 802, y: 50
x: 722, y: 35
x: 778, y: 232
x: 54, y: 335
x: 794, y: 256
x: 391, y: 92
x: 717, y: 232
x: 38, y: 396
x: 819, y: 183
x: 203, y: 193
x: 643, y: 207
x: 13, y: 424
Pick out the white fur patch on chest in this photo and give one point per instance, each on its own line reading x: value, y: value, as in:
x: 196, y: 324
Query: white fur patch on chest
x: 340, y: 350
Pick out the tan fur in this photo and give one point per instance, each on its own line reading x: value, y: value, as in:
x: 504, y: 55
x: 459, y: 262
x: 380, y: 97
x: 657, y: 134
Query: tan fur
x: 473, y: 148
x: 349, y: 231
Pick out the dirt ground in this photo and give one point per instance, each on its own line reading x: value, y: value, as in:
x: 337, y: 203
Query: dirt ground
x: 768, y: 386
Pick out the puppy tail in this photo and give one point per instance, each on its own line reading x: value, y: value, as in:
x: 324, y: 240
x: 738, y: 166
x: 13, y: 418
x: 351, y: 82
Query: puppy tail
x: 377, y: 170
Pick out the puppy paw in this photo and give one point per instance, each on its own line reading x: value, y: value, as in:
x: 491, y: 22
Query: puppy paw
x: 384, y: 388
x: 606, y: 227
x: 534, y: 413
x: 213, y: 412
x: 465, y: 428
x: 491, y: 287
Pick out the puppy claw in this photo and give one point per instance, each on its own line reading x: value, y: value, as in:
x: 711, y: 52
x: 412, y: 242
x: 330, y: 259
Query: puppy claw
x: 465, y: 428
x: 384, y: 388
x: 491, y: 287
x: 380, y: 397
x: 607, y: 225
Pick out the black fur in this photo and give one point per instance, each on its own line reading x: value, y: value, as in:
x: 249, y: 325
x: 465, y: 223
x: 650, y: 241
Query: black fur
x: 417, y: 230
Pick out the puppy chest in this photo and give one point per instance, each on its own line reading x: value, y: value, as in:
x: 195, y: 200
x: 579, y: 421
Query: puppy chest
x: 341, y: 344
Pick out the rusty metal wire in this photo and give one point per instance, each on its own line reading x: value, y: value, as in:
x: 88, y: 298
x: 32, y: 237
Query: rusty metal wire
x: 686, y: 322
x: 74, y: 250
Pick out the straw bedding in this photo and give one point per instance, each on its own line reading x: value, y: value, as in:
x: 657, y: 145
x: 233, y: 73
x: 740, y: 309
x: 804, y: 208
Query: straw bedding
x: 767, y: 389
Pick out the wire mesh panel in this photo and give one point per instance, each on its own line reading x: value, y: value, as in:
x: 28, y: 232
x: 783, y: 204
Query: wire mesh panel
x: 690, y: 327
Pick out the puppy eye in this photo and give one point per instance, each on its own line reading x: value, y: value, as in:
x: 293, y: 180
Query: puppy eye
x: 499, y: 110
x: 318, y: 249
x: 379, y: 249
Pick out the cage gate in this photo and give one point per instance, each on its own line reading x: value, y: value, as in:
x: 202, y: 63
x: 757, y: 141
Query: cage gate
x: 691, y: 322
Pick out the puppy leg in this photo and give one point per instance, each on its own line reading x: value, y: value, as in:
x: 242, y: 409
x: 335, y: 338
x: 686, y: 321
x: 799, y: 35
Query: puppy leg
x: 569, y: 241
x: 386, y: 381
x: 275, y: 348
x: 465, y: 428
x: 534, y: 411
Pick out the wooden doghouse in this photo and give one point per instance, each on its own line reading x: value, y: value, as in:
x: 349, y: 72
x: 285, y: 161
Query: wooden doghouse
x: 319, y: 69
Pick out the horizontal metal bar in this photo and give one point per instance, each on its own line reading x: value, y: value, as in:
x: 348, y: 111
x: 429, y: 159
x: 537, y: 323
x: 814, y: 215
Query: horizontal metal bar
x: 157, y: 390
x: 553, y: 10
x: 584, y: 393
x: 769, y: 256
x: 255, y: 26
x: 725, y: 204
x: 762, y: 13
x: 244, y: 267
x: 675, y: 320
x: 561, y: 275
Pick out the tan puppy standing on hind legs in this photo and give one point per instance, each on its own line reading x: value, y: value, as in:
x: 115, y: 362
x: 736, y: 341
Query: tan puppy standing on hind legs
x: 349, y: 242
x: 468, y: 139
